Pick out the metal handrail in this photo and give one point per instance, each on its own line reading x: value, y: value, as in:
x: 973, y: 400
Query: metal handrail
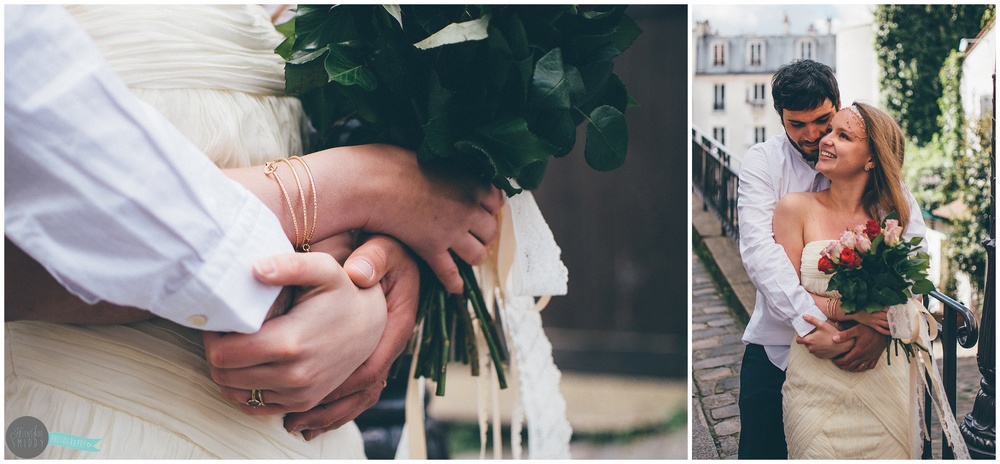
x: 951, y: 335
x: 715, y: 179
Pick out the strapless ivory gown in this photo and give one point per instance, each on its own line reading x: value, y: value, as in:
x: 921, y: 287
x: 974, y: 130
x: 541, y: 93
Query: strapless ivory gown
x: 834, y: 414
x: 144, y: 388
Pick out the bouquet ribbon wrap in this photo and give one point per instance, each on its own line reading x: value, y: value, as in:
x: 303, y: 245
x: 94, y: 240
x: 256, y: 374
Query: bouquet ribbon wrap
x: 910, y: 322
x: 523, y: 264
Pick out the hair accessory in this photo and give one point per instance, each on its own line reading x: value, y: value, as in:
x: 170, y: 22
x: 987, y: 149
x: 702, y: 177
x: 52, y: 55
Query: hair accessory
x: 863, y: 134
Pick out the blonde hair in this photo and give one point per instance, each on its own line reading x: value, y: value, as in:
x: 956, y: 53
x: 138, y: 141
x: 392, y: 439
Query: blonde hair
x: 884, y: 190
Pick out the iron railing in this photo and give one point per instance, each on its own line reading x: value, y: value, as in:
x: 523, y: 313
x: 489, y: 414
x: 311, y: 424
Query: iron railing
x: 715, y: 180
x: 951, y: 335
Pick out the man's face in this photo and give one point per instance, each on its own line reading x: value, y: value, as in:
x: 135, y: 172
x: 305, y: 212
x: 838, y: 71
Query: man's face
x: 806, y: 127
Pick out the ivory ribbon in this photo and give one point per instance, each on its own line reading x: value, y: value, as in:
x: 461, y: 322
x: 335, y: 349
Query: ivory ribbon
x: 522, y: 264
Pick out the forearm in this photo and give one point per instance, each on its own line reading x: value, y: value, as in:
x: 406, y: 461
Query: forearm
x: 347, y: 184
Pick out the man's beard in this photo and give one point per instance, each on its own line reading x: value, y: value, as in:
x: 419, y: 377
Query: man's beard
x: 812, y: 158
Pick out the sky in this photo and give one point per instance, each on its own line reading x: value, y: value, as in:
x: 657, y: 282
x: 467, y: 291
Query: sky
x: 730, y: 20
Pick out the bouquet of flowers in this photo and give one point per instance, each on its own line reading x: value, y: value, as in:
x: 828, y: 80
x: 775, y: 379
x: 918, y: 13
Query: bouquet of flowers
x: 496, y: 90
x: 873, y: 267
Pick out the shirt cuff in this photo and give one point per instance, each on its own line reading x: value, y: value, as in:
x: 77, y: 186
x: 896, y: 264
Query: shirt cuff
x: 224, y: 295
x: 802, y: 327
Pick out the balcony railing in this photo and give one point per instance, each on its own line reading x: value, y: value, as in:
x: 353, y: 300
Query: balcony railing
x: 715, y: 179
x: 951, y: 335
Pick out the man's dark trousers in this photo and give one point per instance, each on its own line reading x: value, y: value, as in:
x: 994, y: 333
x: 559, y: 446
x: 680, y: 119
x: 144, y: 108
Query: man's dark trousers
x: 762, y: 433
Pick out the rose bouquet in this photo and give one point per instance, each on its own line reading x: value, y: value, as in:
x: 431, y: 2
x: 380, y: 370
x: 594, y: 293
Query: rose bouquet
x: 495, y: 90
x: 873, y: 268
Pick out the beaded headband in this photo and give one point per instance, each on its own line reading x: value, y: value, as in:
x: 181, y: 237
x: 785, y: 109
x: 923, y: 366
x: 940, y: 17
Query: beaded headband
x: 861, y: 122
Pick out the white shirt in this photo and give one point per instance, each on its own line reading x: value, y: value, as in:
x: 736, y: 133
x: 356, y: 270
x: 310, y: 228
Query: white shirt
x: 112, y: 199
x: 769, y: 171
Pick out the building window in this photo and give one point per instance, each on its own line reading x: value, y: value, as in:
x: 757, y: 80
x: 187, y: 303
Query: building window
x: 756, y: 95
x: 758, y: 134
x: 807, y: 49
x: 719, y: 134
x: 720, y: 97
x: 718, y: 54
x: 755, y: 53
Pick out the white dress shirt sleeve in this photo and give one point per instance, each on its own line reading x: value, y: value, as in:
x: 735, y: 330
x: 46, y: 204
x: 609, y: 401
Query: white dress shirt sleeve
x: 111, y: 199
x: 765, y: 261
x: 916, y: 227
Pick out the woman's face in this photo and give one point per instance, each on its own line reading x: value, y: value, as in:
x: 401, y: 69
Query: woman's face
x: 844, y: 150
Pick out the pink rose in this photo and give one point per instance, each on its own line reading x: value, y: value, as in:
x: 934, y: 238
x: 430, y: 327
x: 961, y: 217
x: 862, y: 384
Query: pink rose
x: 832, y: 251
x: 847, y: 239
x: 863, y: 244
x: 892, y: 232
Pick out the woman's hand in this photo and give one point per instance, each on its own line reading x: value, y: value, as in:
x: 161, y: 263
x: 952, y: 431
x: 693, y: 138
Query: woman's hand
x: 430, y: 210
x: 382, y: 189
x: 820, y: 341
x: 380, y: 260
x: 298, y: 358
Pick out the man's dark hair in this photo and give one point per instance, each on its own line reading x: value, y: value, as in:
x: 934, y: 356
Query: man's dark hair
x: 803, y: 85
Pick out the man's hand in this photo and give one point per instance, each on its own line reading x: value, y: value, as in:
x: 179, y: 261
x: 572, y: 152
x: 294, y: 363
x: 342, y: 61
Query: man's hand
x: 820, y: 342
x: 298, y: 358
x: 868, y: 348
x: 382, y: 259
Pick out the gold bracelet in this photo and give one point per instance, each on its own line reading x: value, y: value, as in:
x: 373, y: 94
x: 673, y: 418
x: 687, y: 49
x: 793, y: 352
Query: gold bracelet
x: 302, y: 200
x: 269, y: 168
x: 315, y: 201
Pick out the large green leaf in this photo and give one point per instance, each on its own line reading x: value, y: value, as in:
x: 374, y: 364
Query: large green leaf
x: 531, y: 175
x: 550, y: 89
x: 607, y: 139
x: 557, y: 128
x: 340, y: 68
x: 513, y: 146
x: 302, y: 78
x: 625, y: 34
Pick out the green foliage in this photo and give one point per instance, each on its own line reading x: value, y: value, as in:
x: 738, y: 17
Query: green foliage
x: 498, y: 99
x: 927, y: 169
x: 965, y: 248
x: 912, y: 42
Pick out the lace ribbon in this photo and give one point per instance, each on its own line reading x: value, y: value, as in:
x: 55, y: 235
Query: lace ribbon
x: 523, y: 264
x: 910, y: 322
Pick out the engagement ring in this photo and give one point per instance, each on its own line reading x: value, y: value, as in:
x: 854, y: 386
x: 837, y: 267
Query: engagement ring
x: 255, y: 399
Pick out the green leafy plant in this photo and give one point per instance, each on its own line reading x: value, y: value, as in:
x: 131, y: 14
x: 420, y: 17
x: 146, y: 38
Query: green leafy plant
x: 495, y: 90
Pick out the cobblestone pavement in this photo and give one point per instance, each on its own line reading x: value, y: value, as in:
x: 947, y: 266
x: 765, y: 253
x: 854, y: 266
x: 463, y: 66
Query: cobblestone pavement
x: 716, y: 354
x: 716, y: 351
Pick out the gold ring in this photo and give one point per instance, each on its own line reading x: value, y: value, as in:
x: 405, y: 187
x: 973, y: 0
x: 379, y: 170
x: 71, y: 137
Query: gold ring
x: 256, y: 399
x: 384, y: 383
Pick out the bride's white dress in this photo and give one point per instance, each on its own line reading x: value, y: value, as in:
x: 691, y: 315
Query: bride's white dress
x: 144, y: 388
x: 834, y: 414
